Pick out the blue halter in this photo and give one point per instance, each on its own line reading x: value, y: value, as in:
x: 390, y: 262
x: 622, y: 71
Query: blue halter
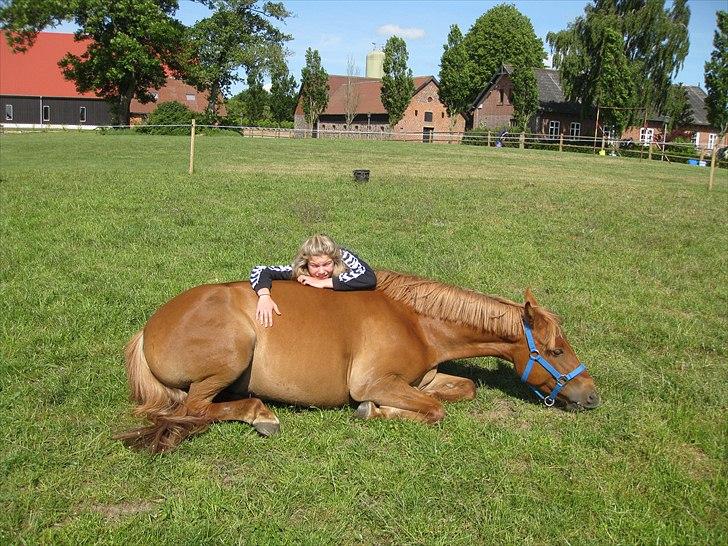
x: 561, y: 379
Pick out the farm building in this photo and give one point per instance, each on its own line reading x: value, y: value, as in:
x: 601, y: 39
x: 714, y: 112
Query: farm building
x: 34, y: 93
x: 425, y: 115
x: 493, y: 109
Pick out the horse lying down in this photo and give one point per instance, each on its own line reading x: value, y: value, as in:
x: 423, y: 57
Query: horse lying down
x: 379, y: 349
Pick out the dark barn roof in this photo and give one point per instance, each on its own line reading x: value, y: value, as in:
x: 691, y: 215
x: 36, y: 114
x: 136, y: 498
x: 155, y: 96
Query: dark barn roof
x: 696, y: 100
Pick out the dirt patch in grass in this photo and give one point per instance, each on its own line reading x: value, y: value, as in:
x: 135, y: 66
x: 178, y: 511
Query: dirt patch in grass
x: 503, y: 412
x: 115, y: 512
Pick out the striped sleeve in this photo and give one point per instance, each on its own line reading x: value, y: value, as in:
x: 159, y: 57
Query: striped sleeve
x: 262, y: 276
x: 359, y: 275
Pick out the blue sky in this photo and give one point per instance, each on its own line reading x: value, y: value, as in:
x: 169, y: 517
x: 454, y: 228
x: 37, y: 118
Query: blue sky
x: 339, y: 28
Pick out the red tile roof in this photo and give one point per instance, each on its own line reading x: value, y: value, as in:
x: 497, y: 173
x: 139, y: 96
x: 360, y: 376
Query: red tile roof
x: 370, y: 94
x: 36, y: 71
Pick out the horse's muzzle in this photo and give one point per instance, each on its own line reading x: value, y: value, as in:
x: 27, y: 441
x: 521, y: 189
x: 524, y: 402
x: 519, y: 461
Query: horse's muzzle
x: 583, y: 401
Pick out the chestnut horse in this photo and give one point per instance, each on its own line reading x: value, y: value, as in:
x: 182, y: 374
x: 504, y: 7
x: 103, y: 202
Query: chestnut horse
x: 377, y: 348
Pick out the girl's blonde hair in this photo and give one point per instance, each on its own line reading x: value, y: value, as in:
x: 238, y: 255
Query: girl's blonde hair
x: 318, y: 245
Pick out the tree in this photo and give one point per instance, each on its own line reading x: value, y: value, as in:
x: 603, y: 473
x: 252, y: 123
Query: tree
x: 654, y: 41
x: 454, y: 75
x: 613, y: 82
x: 351, y: 91
x: 314, y: 87
x: 130, y: 44
x: 256, y: 98
x: 282, y: 98
x: 502, y: 35
x: 525, y: 96
x: 239, y: 34
x: 677, y: 108
x: 397, y: 84
x: 716, y: 77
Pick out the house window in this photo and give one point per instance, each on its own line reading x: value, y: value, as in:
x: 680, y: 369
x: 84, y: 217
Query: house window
x: 554, y: 129
x: 82, y: 114
x: 8, y: 112
x: 415, y: 113
x: 696, y: 138
x: 156, y: 96
x: 575, y: 129
x: 712, y: 139
x: 443, y: 115
x: 428, y: 117
x: 46, y: 113
x: 190, y: 96
x: 429, y: 99
x: 501, y: 94
x: 646, y: 135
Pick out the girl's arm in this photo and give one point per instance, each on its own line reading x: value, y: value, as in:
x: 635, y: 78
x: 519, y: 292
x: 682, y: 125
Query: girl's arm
x: 261, y: 280
x: 359, y: 277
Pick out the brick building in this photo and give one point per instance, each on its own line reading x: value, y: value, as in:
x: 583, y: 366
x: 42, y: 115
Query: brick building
x: 493, y: 109
x: 34, y: 93
x: 424, y: 118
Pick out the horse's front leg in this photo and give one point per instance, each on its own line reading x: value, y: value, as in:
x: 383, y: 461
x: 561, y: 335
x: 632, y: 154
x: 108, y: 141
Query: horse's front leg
x: 393, y: 398
x: 450, y: 388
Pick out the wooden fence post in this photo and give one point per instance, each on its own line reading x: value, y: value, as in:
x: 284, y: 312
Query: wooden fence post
x: 712, y: 167
x: 192, y: 146
x: 522, y: 141
x: 649, y: 152
x: 488, y: 139
x: 561, y: 142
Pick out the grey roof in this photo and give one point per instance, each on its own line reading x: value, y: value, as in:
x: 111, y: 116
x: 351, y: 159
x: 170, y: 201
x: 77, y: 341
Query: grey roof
x: 696, y: 100
x: 551, y: 94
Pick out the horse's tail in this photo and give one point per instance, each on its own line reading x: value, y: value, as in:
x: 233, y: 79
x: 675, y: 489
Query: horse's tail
x: 162, y: 405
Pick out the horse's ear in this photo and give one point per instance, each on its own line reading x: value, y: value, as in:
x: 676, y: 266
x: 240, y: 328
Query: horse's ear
x: 530, y: 313
x: 528, y: 297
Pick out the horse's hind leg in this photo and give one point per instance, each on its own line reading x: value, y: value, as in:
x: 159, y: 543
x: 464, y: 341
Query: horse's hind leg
x: 248, y: 410
x: 450, y: 388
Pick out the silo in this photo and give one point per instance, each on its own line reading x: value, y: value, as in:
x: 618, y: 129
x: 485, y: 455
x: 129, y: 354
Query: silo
x: 375, y: 64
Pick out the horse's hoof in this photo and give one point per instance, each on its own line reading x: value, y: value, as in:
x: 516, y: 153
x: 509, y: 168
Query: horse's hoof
x: 267, y: 428
x: 366, y: 410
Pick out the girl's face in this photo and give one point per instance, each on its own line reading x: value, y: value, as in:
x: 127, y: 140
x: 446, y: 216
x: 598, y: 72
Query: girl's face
x: 321, y: 267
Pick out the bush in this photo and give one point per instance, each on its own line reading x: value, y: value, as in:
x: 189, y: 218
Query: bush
x: 169, y: 113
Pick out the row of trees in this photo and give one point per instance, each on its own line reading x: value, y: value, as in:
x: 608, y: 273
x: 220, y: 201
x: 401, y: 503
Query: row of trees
x: 135, y: 45
x: 621, y: 55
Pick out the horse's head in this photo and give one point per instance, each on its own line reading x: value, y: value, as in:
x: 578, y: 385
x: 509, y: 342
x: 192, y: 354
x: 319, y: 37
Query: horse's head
x: 548, y: 364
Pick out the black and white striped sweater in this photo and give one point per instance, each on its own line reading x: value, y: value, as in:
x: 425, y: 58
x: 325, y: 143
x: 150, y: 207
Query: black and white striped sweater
x: 358, y: 276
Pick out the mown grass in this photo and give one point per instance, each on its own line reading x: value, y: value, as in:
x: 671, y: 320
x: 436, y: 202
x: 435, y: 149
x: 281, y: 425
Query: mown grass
x: 99, y: 230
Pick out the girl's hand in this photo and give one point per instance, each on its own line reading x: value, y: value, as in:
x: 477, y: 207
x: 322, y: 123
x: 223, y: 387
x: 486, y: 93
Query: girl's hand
x: 316, y: 283
x: 265, y: 309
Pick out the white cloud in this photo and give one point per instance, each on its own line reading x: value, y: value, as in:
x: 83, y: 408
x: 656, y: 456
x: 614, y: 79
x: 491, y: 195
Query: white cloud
x: 396, y: 30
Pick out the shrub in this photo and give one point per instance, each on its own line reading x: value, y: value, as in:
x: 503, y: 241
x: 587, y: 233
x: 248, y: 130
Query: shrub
x: 168, y: 113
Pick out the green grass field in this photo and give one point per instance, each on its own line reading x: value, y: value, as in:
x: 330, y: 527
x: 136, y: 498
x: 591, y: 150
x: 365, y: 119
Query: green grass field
x: 100, y: 230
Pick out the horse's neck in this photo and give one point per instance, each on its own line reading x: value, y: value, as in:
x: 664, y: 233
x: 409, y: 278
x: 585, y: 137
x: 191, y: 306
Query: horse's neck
x: 450, y: 340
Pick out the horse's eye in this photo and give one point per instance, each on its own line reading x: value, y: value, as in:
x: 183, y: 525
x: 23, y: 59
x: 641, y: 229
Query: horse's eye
x: 557, y: 352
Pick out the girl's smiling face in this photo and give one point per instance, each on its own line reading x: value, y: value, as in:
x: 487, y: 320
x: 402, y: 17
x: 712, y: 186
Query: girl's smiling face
x: 321, y: 267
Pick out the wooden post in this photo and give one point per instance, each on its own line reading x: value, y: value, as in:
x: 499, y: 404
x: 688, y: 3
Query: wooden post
x: 192, y: 146
x: 522, y: 141
x: 488, y: 139
x: 712, y: 166
x: 561, y: 142
x: 596, y: 129
x: 649, y: 153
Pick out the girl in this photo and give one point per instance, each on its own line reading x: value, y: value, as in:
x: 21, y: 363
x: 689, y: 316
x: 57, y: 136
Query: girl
x: 320, y: 263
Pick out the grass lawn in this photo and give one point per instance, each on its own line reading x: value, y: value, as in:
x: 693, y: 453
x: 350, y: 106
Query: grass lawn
x: 100, y: 230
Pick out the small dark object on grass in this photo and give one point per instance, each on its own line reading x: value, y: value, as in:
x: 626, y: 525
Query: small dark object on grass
x: 361, y: 175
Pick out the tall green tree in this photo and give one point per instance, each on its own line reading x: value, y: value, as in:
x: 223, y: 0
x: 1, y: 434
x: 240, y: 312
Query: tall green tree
x: 397, y: 83
x: 454, y: 75
x: 282, y: 94
x: 716, y: 77
x: 129, y: 44
x: 677, y: 108
x: 256, y: 98
x: 655, y: 43
x: 614, y: 82
x: 238, y: 34
x: 314, y: 87
x: 525, y: 96
x: 502, y: 35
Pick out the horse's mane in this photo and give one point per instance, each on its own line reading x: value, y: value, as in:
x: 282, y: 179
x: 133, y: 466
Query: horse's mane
x: 493, y: 314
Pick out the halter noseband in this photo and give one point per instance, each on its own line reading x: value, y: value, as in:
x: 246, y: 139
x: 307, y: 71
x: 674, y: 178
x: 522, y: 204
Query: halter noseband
x: 561, y: 379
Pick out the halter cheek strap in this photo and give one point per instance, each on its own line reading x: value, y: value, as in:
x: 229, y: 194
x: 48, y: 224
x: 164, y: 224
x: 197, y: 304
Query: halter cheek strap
x: 561, y: 379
